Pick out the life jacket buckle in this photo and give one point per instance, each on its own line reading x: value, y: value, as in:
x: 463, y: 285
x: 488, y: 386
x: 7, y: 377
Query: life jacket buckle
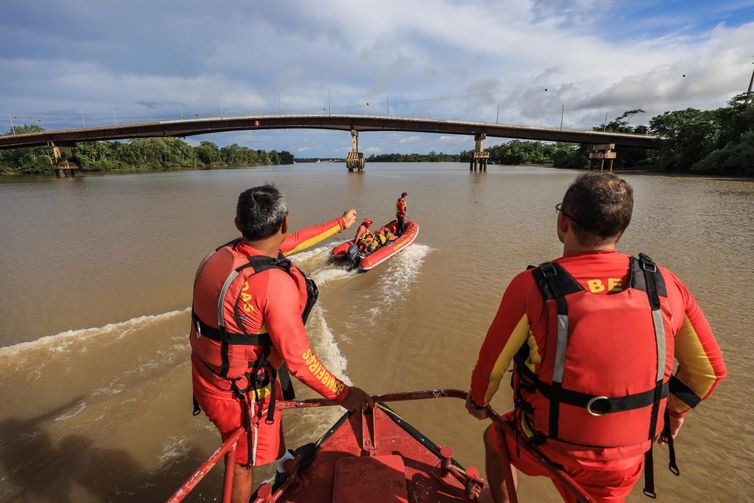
x: 548, y: 270
x: 591, y: 402
x: 647, y: 263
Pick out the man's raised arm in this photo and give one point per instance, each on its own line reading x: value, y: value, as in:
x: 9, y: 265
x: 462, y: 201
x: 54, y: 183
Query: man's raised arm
x: 306, y: 238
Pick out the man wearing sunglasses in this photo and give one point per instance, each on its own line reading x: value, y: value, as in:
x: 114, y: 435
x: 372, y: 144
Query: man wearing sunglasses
x: 593, y: 336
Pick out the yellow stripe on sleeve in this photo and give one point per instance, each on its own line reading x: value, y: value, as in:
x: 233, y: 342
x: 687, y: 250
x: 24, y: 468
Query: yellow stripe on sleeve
x: 694, y: 368
x: 316, y: 239
x: 515, y: 341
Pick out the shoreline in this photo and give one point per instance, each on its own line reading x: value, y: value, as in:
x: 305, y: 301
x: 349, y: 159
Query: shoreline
x: 142, y: 170
x: 136, y: 170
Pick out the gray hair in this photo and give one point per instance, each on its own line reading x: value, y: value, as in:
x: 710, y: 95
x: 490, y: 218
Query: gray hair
x: 261, y: 211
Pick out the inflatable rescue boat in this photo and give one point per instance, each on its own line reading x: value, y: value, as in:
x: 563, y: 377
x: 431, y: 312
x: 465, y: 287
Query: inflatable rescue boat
x: 371, y: 260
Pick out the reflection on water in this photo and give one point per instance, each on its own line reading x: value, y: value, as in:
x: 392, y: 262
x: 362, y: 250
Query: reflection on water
x: 103, y: 414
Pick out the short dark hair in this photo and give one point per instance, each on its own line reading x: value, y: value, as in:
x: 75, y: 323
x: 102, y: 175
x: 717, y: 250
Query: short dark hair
x: 404, y: 194
x: 599, y: 204
x: 260, y: 212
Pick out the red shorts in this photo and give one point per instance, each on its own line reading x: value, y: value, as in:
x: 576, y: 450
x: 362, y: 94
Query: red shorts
x: 607, y: 481
x: 227, y: 415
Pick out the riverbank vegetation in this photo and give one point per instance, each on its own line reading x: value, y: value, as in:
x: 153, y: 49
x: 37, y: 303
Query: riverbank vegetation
x: 714, y: 142
x: 143, y: 154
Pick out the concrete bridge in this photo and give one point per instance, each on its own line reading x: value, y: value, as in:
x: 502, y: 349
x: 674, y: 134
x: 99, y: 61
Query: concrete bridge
x: 352, y: 123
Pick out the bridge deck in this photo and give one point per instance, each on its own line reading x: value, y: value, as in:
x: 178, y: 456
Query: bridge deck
x: 361, y: 123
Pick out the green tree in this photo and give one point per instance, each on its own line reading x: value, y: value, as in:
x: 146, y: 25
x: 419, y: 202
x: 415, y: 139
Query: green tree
x: 687, y: 137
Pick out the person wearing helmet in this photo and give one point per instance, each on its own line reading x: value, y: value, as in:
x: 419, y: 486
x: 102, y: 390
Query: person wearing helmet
x: 363, y: 228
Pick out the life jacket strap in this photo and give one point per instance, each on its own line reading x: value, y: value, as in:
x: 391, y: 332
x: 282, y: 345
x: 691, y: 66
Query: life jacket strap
x: 683, y: 392
x: 243, y: 400
x: 595, y: 404
x: 232, y: 338
x: 554, y: 282
x: 649, y: 476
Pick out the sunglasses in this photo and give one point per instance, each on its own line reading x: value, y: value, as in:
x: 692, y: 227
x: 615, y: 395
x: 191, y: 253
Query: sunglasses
x: 559, y: 209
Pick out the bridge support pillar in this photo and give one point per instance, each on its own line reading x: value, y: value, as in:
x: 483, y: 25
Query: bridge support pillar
x: 354, y: 158
x: 62, y: 167
x: 480, y: 156
x: 601, y: 153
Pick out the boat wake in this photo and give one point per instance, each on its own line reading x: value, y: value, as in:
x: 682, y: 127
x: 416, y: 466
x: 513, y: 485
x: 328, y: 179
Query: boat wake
x: 396, y: 280
x: 318, y: 265
x: 76, y: 340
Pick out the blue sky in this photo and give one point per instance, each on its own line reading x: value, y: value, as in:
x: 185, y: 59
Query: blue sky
x: 441, y: 58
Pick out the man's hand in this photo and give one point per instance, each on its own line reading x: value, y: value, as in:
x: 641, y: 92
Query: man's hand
x: 350, y: 217
x: 675, y: 426
x: 474, y: 410
x: 357, y: 400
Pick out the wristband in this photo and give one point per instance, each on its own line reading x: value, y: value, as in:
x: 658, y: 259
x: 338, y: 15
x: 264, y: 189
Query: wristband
x: 476, y: 406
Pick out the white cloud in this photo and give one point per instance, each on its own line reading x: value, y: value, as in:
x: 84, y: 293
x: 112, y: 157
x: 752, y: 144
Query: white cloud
x: 408, y: 139
x: 455, y: 60
x: 453, y: 139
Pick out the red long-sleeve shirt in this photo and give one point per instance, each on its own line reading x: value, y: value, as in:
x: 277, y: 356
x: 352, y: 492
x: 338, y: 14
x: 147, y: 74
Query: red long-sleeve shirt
x: 522, y: 319
x: 272, y: 302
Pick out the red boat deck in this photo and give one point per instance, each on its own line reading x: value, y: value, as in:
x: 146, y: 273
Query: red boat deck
x: 380, y: 457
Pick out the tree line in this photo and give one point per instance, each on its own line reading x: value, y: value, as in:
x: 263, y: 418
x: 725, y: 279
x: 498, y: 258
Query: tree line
x: 143, y: 154
x: 715, y: 142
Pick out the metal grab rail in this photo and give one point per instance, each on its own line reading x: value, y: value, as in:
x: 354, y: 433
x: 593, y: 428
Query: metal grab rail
x: 228, y: 447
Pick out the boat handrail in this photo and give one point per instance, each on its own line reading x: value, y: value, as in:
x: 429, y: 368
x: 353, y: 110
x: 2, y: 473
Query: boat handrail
x: 228, y: 448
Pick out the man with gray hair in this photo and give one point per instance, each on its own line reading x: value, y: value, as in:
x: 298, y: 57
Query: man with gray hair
x: 247, y: 331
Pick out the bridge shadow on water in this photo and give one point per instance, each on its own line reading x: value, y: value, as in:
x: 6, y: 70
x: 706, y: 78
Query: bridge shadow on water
x: 38, y: 467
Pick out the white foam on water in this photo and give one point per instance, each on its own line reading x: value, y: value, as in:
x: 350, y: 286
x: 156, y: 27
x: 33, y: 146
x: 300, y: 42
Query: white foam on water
x: 63, y: 340
x: 319, y: 254
x: 333, y: 273
x: 72, y: 413
x: 173, y: 448
x: 397, y: 279
x: 320, y: 267
x: 326, y: 346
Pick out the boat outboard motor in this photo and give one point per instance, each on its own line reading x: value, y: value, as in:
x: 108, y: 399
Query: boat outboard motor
x: 353, y: 255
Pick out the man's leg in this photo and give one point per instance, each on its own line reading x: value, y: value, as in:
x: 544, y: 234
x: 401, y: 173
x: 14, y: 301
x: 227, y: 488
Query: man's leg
x: 497, y: 462
x: 241, y: 484
x: 225, y: 414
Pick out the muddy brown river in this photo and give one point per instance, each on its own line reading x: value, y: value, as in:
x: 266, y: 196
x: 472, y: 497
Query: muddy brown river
x: 96, y: 275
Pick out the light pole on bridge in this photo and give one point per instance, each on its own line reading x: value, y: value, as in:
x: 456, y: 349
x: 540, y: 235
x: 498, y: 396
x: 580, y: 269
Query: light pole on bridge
x: 83, y: 122
x: 12, y: 127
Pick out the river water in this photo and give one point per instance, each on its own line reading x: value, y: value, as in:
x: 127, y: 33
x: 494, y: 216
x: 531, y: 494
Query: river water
x: 96, y: 275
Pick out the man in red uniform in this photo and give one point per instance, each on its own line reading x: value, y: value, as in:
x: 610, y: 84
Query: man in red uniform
x: 363, y: 229
x: 250, y: 306
x: 592, y: 366
x: 400, y: 213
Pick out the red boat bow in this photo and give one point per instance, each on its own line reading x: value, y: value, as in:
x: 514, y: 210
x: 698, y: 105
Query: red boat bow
x: 379, y: 456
